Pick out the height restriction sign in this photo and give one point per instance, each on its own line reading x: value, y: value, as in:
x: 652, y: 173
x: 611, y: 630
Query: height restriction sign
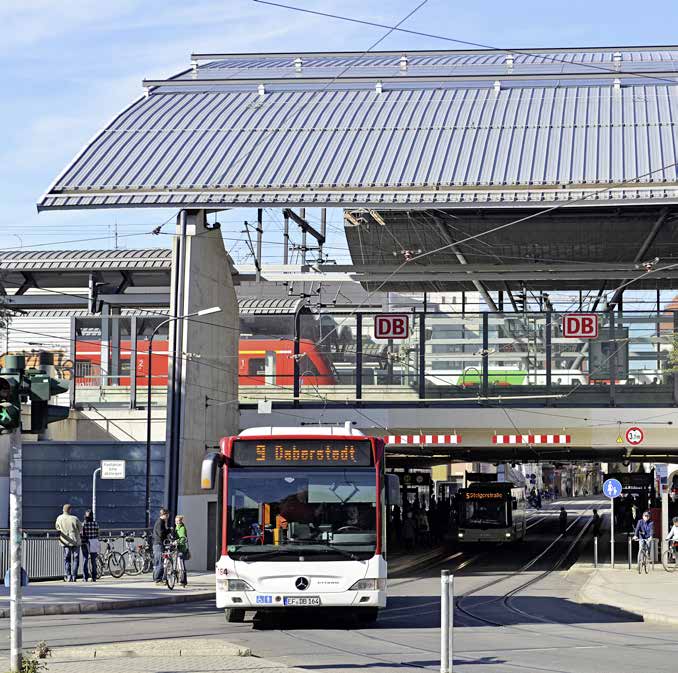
x: 634, y: 436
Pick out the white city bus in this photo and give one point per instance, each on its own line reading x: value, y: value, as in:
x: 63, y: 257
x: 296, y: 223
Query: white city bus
x: 302, y: 514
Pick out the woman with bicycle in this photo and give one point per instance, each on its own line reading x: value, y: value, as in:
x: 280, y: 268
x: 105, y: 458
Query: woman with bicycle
x: 183, y: 554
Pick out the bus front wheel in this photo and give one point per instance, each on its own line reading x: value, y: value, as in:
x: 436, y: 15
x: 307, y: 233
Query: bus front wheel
x: 234, y: 615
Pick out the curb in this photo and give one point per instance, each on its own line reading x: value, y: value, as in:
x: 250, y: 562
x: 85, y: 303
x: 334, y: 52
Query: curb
x: 101, y: 606
x: 152, y: 648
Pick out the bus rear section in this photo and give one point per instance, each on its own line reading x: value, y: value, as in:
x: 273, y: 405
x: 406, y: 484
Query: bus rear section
x: 491, y: 512
x: 302, y: 512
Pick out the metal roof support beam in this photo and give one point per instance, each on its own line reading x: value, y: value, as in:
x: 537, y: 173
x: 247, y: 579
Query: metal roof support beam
x: 127, y: 282
x: 305, y: 226
x: 462, y: 260
x: 28, y: 283
x: 260, y: 233
x: 642, y: 251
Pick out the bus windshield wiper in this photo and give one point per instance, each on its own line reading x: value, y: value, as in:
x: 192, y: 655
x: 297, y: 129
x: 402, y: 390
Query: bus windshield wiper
x: 326, y: 547
x: 267, y: 554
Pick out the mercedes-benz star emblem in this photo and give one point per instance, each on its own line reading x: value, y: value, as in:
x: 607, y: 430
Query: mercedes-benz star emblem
x: 301, y: 583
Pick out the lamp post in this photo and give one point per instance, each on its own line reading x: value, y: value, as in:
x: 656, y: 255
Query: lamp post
x: 206, y: 311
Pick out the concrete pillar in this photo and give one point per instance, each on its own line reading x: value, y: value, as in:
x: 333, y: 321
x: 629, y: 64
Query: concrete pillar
x: 205, y: 364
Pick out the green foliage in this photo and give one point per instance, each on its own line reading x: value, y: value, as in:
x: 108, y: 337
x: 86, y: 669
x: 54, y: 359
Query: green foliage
x: 672, y: 360
x: 33, y: 662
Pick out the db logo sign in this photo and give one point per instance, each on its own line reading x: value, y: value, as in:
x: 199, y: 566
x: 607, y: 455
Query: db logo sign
x: 634, y: 436
x: 391, y: 326
x: 580, y: 326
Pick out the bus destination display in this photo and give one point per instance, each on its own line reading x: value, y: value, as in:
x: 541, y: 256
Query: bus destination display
x: 301, y: 452
x: 487, y: 495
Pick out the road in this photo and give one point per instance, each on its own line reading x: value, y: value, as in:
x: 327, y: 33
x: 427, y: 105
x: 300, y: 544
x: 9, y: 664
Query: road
x: 514, y: 613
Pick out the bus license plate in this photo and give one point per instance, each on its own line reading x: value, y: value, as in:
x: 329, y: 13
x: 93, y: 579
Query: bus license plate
x: 301, y: 601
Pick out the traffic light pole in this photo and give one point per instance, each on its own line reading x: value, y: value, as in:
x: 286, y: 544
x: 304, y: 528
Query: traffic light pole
x: 15, y: 540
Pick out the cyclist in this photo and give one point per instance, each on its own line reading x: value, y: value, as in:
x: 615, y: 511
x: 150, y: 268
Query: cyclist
x: 673, y: 533
x: 644, y: 533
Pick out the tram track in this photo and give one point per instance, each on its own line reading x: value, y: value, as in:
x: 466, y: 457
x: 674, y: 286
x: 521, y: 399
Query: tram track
x: 505, y: 599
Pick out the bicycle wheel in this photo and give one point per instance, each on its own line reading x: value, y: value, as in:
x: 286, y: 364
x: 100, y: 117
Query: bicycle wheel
x: 170, y: 573
x: 134, y: 563
x: 116, y: 564
x: 668, y: 561
x: 101, y: 566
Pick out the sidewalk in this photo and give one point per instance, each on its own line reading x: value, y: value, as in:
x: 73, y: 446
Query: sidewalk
x: 161, y: 656
x: 651, y: 596
x: 61, y: 598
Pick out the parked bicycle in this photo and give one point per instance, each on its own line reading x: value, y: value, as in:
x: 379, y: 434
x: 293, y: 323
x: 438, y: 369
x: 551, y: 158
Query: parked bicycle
x: 670, y: 557
x: 132, y: 558
x: 171, y: 564
x: 110, y: 561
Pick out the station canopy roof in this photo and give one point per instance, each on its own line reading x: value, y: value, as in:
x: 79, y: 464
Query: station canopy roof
x: 391, y: 130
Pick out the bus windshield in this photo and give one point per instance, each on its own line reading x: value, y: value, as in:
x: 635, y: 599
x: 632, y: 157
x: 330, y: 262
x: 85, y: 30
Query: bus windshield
x: 485, y: 514
x: 326, y: 514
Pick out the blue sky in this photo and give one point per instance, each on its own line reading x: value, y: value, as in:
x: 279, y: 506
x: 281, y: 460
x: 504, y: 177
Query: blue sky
x: 71, y: 65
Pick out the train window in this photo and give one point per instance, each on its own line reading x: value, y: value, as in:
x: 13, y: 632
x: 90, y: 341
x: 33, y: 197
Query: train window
x: 256, y: 367
x: 308, y: 368
x: 514, y: 503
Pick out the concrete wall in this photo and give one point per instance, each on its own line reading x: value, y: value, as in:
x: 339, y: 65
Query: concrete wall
x: 208, y: 383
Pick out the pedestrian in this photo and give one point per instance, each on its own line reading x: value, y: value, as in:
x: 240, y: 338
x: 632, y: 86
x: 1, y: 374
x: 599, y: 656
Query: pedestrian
x: 160, y: 533
x: 563, y: 521
x: 595, y: 523
x: 409, y: 531
x: 183, y: 553
x: 69, y: 529
x: 90, y: 546
x: 423, y: 528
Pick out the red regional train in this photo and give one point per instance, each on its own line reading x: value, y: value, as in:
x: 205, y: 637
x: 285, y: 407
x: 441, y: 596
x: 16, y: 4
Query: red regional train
x: 261, y: 361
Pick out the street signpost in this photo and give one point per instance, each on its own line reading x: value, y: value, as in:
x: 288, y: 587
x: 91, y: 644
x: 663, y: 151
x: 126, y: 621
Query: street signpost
x: 112, y: 469
x: 612, y: 488
x: 109, y: 469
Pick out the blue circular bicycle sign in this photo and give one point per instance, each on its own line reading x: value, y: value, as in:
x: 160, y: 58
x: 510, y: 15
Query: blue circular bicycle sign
x: 612, y: 488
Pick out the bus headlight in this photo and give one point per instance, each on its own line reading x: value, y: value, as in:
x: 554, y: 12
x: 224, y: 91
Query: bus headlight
x: 369, y: 585
x: 237, y: 585
x: 508, y: 534
x: 460, y: 534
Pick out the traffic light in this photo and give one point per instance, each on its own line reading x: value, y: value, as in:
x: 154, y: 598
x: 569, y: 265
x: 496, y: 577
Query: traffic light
x: 40, y: 388
x: 10, y: 392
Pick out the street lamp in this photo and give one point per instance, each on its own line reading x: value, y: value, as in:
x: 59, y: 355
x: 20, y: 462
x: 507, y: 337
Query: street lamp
x: 205, y: 311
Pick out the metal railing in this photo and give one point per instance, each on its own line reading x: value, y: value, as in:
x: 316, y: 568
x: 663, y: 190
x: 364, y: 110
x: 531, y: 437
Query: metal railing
x: 43, y: 557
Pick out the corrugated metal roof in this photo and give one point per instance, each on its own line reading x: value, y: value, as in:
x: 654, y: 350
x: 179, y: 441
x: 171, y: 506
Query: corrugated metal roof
x: 86, y: 260
x: 256, y: 306
x: 467, y: 63
x: 415, y: 144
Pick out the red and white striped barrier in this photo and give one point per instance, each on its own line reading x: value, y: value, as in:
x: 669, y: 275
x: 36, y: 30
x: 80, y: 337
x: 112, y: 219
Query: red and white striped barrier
x: 531, y: 439
x: 423, y: 439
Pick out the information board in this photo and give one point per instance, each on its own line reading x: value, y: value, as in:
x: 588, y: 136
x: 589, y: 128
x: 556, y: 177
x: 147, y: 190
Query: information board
x: 301, y: 452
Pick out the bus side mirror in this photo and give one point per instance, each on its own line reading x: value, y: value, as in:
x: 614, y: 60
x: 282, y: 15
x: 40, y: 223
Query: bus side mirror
x: 393, y: 494
x: 208, y: 473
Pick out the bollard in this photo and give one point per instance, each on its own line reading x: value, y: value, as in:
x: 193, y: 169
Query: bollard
x: 446, y: 621
x: 630, y: 552
x: 595, y: 551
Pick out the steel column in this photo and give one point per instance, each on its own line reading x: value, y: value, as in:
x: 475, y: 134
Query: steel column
x: 358, y: 355
x: 548, y: 348
x: 422, y: 356
x: 485, y: 355
x: 15, y: 537
x: 133, y: 363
